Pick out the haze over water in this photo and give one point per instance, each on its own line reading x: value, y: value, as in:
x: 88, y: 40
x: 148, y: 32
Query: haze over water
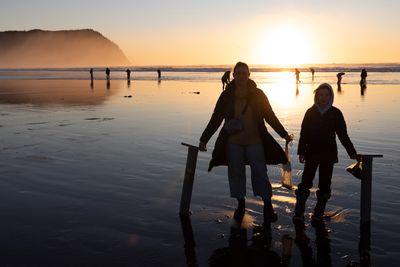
x: 90, y: 176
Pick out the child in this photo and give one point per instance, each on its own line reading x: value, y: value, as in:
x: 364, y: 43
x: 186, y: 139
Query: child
x: 317, y: 149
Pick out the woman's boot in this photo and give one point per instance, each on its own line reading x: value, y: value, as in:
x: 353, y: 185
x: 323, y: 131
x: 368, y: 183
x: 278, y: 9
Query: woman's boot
x: 301, y: 198
x: 269, y: 213
x: 240, y: 210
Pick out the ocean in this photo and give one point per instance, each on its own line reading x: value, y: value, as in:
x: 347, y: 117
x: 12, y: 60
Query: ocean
x: 202, y: 72
x: 91, y: 172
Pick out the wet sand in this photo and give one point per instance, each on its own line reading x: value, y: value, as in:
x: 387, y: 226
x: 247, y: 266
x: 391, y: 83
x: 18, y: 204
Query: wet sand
x: 91, y: 177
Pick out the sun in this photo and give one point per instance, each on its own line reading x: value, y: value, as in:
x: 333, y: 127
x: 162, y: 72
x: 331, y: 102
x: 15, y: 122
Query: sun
x: 285, y: 45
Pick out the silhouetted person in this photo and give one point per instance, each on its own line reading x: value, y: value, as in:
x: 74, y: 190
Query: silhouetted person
x: 363, y: 75
x: 312, y: 73
x: 339, y: 81
x: 159, y: 74
x: 91, y: 74
x: 108, y: 74
x: 247, y: 145
x: 317, y: 149
x: 339, y: 77
x: 297, y: 73
x: 128, y: 74
x: 225, y: 79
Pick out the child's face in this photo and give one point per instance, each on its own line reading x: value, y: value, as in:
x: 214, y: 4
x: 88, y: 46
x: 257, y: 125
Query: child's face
x: 323, y: 97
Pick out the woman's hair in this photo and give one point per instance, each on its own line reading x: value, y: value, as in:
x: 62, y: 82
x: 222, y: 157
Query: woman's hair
x: 324, y: 86
x: 241, y: 64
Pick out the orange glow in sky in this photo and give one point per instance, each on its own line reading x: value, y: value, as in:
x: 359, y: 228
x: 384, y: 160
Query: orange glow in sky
x: 223, y: 32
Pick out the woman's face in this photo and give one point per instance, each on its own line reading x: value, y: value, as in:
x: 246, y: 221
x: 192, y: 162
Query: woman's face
x: 241, y: 75
x: 323, y: 97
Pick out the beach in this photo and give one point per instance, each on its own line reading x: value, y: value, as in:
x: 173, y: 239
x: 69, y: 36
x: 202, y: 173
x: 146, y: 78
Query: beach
x: 91, y: 173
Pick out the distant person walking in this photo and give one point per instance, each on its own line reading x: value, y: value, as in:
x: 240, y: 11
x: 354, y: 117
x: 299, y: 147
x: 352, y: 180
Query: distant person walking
x: 339, y: 77
x: 297, y: 73
x: 363, y: 75
x: 128, y: 74
x: 250, y: 144
x: 108, y: 74
x: 225, y: 79
x: 159, y: 74
x: 91, y: 74
x: 312, y: 73
x: 318, y: 149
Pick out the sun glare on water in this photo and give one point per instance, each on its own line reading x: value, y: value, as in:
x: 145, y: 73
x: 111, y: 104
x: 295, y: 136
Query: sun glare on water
x: 282, y: 93
x: 285, y: 45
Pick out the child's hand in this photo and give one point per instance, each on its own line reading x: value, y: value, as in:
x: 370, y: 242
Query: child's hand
x: 356, y: 156
x: 202, y: 146
x: 289, y: 138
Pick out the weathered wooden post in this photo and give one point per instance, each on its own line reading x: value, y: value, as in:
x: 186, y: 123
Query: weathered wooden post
x: 188, y: 179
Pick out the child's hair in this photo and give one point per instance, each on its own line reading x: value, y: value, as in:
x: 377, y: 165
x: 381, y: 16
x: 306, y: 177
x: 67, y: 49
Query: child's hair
x: 324, y: 86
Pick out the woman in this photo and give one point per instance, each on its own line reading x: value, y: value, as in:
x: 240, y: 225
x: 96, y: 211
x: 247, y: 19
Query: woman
x: 317, y: 149
x: 253, y: 145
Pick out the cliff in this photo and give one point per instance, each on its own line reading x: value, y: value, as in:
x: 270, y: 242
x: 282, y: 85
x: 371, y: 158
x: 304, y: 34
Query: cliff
x: 70, y: 48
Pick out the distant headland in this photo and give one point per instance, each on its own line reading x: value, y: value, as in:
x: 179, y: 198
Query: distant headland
x: 65, y: 48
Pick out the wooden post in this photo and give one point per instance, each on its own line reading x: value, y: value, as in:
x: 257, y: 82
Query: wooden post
x: 366, y: 187
x: 188, y: 179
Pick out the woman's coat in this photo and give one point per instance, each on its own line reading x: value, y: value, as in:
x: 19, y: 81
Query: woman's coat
x: 318, y: 133
x: 224, y: 110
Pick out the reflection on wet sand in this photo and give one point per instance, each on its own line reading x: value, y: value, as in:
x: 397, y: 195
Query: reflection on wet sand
x: 364, y: 245
x: 256, y: 250
x: 61, y: 92
x: 322, y: 243
x: 363, y: 86
x: 339, y: 88
x: 241, y: 252
x: 188, y: 237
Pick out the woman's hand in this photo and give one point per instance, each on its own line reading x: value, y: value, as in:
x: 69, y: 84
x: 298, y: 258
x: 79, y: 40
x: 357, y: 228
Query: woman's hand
x: 289, y: 138
x: 301, y: 158
x: 202, y: 146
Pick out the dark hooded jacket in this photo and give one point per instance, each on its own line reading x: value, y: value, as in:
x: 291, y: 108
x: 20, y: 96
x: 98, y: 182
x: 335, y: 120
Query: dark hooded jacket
x: 224, y: 110
x: 318, y: 133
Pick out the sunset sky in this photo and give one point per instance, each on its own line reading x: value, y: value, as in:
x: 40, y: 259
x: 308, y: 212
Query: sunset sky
x: 186, y: 32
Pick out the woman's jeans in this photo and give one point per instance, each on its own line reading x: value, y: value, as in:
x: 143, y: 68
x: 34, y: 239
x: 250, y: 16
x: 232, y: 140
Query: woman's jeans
x: 238, y: 155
